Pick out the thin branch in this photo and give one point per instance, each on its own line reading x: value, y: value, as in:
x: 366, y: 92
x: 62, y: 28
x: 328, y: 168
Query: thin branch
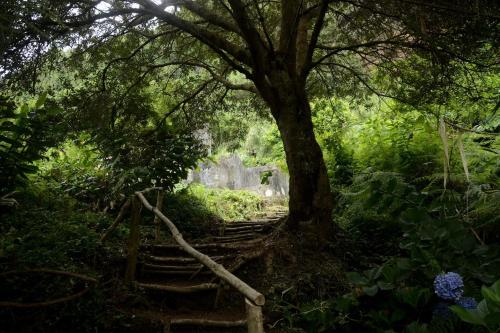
x: 187, y: 99
x: 89, y: 20
x: 233, y: 86
x: 210, y: 38
x: 228, y: 84
x: 264, y: 28
x: 314, y: 39
x: 131, y: 55
x: 363, y: 81
x: 250, y: 34
x: 471, y: 130
x: 335, y: 50
x: 210, y: 16
x: 436, y: 5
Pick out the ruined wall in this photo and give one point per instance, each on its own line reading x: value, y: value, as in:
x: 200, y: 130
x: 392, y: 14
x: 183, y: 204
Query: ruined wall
x: 230, y: 173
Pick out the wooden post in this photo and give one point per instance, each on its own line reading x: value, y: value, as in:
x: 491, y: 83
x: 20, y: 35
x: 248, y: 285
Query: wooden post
x: 218, y: 295
x: 167, y: 326
x: 159, y: 206
x: 255, y: 321
x: 133, y: 240
x: 268, y: 262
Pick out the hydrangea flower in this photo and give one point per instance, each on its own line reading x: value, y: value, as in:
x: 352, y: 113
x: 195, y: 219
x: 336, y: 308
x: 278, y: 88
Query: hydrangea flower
x: 449, y: 286
x: 441, y: 310
x: 468, y: 303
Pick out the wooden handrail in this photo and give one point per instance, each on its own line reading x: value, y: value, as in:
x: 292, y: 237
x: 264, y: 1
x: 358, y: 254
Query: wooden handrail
x: 219, y: 270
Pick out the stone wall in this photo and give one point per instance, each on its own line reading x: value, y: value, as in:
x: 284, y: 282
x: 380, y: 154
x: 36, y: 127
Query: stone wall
x: 230, y: 173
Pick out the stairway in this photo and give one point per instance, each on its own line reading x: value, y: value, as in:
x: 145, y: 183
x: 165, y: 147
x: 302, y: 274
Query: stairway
x: 186, y: 296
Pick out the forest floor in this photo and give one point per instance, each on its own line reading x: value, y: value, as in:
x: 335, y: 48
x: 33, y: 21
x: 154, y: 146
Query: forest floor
x: 290, y: 269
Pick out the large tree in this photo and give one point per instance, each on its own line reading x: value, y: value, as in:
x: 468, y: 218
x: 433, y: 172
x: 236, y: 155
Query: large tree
x: 280, y: 50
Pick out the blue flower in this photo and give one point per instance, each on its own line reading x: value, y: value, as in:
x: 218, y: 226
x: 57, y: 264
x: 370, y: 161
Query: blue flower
x: 449, y: 286
x: 441, y: 310
x: 467, y: 303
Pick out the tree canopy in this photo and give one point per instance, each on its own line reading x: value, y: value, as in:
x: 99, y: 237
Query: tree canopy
x: 284, y: 52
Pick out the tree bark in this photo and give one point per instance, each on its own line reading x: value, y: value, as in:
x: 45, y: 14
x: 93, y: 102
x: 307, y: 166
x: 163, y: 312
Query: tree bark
x: 311, y: 199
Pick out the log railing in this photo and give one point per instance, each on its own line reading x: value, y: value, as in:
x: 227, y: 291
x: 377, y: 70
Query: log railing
x: 253, y: 299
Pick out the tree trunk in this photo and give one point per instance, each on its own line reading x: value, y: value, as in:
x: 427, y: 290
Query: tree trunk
x: 311, y: 199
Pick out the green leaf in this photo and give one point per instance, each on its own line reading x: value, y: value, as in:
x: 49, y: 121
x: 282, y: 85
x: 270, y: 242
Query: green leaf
x: 391, y: 185
x: 416, y: 327
x: 24, y: 110
x: 356, y: 278
x: 8, y: 126
x: 493, y: 319
x: 8, y: 140
x: 492, y: 294
x: 374, y: 273
x: 415, y: 297
x: 41, y: 100
x: 385, y: 285
x: 403, y: 264
x: 482, y: 309
x: 7, y: 113
x: 469, y: 316
x: 370, y: 291
x: 415, y: 216
x: 27, y: 168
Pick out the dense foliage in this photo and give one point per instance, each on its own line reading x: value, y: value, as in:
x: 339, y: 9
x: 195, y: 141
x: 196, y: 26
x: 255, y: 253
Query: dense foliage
x: 384, y: 113
x: 282, y: 53
x: 26, y: 133
x: 406, y: 223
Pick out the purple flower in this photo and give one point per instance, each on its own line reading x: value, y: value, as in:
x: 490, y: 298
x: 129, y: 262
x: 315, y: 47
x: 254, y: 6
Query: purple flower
x: 468, y: 303
x: 449, y: 286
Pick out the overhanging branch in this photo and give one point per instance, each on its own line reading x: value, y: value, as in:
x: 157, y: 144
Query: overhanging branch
x: 131, y: 55
x: 210, y: 16
x: 212, y: 39
x: 187, y: 99
x: 228, y: 84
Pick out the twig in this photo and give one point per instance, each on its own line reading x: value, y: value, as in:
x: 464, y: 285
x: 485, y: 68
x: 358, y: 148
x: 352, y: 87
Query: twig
x: 117, y: 221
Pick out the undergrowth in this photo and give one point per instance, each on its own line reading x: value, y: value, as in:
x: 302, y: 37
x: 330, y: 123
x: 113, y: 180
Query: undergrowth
x: 401, y: 234
x: 229, y: 205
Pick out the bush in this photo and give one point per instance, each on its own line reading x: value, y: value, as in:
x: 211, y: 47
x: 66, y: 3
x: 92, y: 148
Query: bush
x: 37, y: 237
x: 49, y: 231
